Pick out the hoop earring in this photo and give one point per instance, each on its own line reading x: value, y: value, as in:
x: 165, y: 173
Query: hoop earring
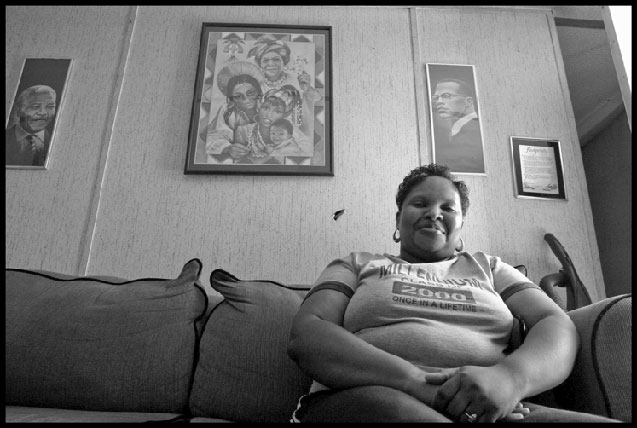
x: 396, y: 239
x: 461, y: 245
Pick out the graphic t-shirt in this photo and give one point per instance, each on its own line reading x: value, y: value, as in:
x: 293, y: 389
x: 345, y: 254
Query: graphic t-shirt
x: 445, y: 314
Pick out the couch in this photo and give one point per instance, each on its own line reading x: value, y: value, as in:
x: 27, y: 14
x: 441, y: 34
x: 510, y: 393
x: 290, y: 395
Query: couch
x: 109, y: 349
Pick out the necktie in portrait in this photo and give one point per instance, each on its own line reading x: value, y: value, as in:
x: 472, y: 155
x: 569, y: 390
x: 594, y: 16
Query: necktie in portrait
x: 37, y: 149
x: 31, y: 142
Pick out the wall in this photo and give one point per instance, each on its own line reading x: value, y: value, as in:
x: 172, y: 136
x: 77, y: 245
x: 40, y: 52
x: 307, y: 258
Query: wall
x: 115, y: 200
x: 610, y: 190
x: 47, y: 212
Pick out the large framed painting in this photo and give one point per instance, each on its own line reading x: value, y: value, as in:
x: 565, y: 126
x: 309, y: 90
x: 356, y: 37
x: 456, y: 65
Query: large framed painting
x: 456, y: 128
x: 537, y: 168
x: 30, y: 129
x: 262, y: 102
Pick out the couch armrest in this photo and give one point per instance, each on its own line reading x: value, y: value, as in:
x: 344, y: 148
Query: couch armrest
x: 601, y: 381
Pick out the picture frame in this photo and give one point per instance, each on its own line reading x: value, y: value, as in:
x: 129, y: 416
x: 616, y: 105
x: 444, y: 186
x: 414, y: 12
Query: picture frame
x: 263, y: 101
x: 456, y: 126
x: 34, y: 113
x: 538, y: 171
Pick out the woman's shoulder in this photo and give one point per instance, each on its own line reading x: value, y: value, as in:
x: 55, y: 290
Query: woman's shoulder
x: 483, y: 259
x: 491, y: 261
x: 362, y: 257
x: 223, y: 108
x: 291, y: 79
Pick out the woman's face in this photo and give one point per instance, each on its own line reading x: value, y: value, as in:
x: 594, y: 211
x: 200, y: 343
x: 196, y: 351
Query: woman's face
x: 269, y: 113
x: 272, y: 65
x: 245, y: 96
x: 430, y: 221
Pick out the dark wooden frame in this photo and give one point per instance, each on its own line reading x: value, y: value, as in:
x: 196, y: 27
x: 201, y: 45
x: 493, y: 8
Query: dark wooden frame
x: 543, y: 149
x: 240, y: 38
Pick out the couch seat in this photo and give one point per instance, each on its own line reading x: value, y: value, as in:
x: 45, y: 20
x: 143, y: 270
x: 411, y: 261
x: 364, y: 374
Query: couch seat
x: 45, y: 414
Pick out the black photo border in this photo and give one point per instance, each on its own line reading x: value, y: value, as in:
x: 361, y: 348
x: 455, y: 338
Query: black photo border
x: 516, y: 142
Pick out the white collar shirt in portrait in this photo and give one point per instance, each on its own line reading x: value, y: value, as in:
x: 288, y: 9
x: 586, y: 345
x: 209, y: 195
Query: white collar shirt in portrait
x: 461, y: 122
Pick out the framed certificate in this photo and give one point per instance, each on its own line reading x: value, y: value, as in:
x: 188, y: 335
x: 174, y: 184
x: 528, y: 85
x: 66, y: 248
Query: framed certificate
x: 537, y: 168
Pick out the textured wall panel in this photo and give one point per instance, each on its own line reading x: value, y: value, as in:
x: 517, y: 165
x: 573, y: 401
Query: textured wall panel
x: 47, y: 210
x: 152, y: 218
x: 520, y: 93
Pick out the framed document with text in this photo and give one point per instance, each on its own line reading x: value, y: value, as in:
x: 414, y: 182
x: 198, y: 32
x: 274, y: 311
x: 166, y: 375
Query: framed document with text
x: 537, y: 168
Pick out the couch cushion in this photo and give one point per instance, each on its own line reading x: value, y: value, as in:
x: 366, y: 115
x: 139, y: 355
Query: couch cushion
x: 244, y: 373
x: 601, y: 381
x: 92, y: 343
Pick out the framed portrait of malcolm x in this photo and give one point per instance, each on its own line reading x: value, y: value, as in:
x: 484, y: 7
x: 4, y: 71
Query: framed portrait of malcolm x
x: 262, y: 102
x: 30, y: 129
x: 455, y: 118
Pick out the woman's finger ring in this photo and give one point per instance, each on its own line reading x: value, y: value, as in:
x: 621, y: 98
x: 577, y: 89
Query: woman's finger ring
x: 471, y: 417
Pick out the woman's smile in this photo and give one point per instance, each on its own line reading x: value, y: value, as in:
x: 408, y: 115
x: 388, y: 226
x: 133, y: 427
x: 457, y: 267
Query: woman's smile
x: 430, y: 229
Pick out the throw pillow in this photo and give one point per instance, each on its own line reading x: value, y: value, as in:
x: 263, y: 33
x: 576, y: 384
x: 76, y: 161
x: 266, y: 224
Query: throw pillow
x: 92, y: 343
x: 244, y: 373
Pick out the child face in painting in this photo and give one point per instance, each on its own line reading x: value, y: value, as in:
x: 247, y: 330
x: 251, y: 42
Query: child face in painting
x: 269, y: 113
x: 278, y: 134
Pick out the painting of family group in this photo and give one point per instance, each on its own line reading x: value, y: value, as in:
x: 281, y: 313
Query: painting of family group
x: 263, y: 99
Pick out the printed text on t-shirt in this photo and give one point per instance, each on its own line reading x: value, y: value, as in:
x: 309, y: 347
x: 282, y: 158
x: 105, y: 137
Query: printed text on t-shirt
x: 438, y: 293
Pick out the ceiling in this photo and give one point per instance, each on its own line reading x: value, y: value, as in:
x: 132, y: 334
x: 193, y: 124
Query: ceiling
x: 589, y: 68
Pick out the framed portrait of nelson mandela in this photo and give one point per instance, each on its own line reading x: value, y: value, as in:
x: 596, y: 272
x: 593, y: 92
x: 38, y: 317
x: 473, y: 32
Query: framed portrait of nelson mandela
x: 262, y: 102
x: 30, y: 129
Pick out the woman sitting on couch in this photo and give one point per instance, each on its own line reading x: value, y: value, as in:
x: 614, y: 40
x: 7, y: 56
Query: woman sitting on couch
x: 423, y: 336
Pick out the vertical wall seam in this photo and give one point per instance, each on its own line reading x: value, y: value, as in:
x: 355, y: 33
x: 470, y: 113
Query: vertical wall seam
x: 418, y: 84
x: 91, y: 222
x: 581, y: 175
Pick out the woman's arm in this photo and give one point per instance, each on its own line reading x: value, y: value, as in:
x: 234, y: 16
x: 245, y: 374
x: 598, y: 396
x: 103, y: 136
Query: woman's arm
x: 338, y: 359
x: 543, y: 361
x: 546, y: 357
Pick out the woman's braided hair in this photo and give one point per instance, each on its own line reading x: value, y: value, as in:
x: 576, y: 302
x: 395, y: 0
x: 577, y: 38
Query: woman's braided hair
x: 419, y: 174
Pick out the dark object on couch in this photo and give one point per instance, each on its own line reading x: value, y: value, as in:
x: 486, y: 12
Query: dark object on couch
x: 576, y: 293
